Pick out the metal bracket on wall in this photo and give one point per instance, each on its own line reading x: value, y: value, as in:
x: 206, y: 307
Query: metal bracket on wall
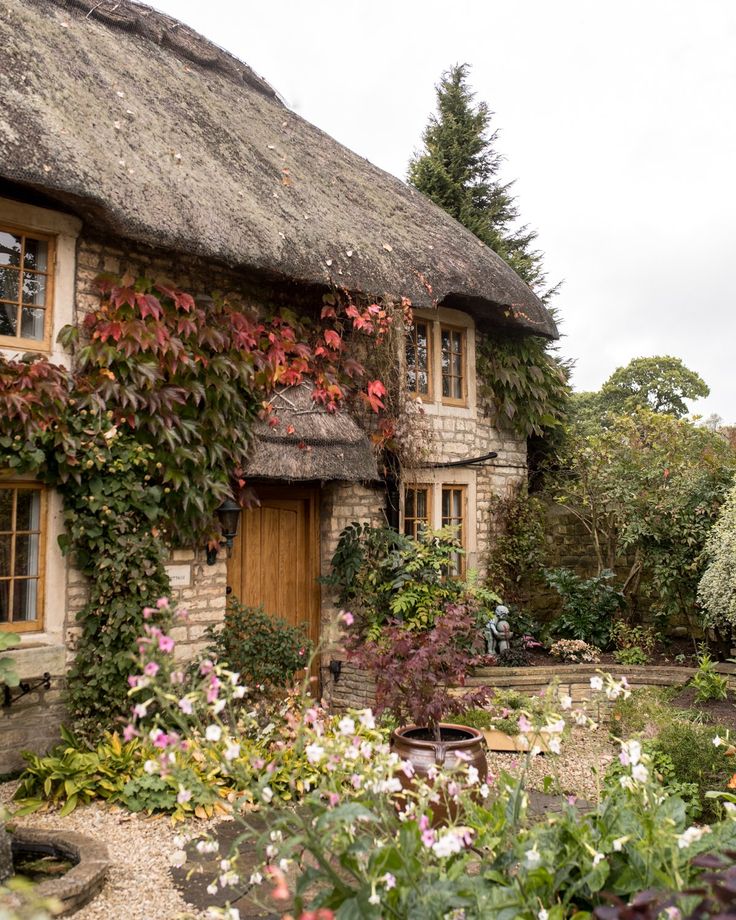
x: 13, y: 694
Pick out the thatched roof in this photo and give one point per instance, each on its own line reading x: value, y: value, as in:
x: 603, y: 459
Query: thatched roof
x: 309, y: 442
x: 149, y: 131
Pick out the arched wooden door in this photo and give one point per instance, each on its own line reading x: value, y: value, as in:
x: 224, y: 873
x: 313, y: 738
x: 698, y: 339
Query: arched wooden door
x: 275, y: 558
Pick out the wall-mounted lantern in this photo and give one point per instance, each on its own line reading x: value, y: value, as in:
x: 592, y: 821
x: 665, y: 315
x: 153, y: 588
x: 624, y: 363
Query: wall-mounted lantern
x: 228, y: 514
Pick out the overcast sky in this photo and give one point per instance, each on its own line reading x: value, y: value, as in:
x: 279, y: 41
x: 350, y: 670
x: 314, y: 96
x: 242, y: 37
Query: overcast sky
x: 617, y: 119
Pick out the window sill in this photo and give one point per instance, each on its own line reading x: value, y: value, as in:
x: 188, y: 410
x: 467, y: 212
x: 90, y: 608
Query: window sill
x: 33, y: 659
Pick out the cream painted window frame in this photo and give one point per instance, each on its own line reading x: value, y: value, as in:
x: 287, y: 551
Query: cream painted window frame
x: 435, y: 403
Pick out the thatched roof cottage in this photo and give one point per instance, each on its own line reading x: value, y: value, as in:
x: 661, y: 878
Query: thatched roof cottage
x: 127, y: 140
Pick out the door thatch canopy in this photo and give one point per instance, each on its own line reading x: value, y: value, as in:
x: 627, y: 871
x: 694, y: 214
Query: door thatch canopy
x: 309, y: 443
x: 150, y: 132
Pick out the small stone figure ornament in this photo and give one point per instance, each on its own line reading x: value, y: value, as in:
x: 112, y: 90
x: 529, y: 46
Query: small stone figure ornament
x: 497, y: 632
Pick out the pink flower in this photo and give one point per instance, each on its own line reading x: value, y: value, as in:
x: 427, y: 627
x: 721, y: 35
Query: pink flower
x: 148, y: 612
x: 182, y: 614
x: 162, y: 602
x: 334, y: 799
x: 165, y: 643
x: 524, y: 725
x: 346, y: 617
x: 129, y: 732
x: 428, y: 838
x: 151, y: 669
x: 186, y: 706
x: 132, y: 680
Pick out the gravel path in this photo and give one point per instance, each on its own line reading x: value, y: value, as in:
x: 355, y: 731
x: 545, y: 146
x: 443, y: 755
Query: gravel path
x: 140, y: 886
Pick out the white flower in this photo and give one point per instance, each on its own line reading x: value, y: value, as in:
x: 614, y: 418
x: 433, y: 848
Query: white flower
x: 533, y: 858
x: 184, y: 795
x: 150, y: 766
x: 473, y: 775
x: 554, y: 728
x: 178, y: 858
x: 565, y: 702
x: 717, y: 741
x: 596, y: 683
x: 239, y: 692
x: 691, y: 835
x: 230, y: 913
x: 730, y: 809
x: 346, y: 726
x: 213, y: 733
x: 448, y: 844
x: 267, y: 794
x: 484, y: 791
x: 554, y: 745
x: 179, y: 842
x: 542, y: 915
x: 367, y: 720
x: 598, y: 857
x: 640, y: 773
x: 219, y: 706
x: 366, y: 749
x: 630, y: 753
x: 207, y: 846
x: 618, y: 844
x: 374, y: 899
x: 212, y: 889
x: 232, y: 751
x: 256, y: 878
x: 315, y: 752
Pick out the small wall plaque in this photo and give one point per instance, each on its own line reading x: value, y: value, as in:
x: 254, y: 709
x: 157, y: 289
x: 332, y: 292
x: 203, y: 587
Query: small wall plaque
x: 180, y: 576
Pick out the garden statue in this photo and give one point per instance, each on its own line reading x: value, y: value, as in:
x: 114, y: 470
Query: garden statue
x: 497, y: 632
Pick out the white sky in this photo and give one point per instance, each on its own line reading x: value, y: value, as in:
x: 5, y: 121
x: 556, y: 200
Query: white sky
x: 617, y: 118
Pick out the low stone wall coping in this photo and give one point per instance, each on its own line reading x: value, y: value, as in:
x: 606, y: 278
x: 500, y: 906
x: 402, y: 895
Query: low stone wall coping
x: 36, y: 660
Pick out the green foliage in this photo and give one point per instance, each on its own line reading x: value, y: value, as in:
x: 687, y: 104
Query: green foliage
x: 385, y: 575
x: 666, y: 773
x: 588, y: 606
x: 263, y: 649
x: 527, y: 386
x: 458, y: 171
x: 709, y: 684
x: 717, y: 588
x: 19, y: 900
x: 650, y: 485
x: 632, y: 654
x: 661, y: 384
x: 642, y: 638
x: 517, y: 551
x: 8, y: 673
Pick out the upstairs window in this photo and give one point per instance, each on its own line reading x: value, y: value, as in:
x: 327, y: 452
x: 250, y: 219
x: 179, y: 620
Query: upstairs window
x: 26, y: 276
x: 418, y: 359
x: 453, y: 365
x: 22, y: 514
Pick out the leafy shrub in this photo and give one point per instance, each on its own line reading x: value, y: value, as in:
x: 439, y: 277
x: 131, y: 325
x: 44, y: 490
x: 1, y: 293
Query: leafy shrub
x: 695, y: 759
x: 265, y: 650
x: 575, y: 650
x: 631, y: 655
x: 625, y: 636
x: 709, y: 684
x: 588, y: 606
x: 717, y: 589
x: 666, y: 774
x: 383, y: 575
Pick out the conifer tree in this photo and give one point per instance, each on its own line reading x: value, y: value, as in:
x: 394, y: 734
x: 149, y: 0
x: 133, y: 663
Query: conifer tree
x: 458, y: 170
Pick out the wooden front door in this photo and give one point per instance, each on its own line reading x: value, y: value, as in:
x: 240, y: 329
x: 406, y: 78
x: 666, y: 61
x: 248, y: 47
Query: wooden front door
x: 275, y: 558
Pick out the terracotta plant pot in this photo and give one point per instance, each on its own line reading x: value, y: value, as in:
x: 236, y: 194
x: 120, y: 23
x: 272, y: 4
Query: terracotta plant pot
x: 417, y: 745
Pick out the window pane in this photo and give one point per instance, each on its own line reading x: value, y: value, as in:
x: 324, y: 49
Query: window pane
x: 26, y: 554
x: 6, y: 545
x: 28, y: 516
x: 34, y: 289
x: 25, y: 594
x: 410, y: 504
x: 31, y: 322
x: 9, y: 249
x: 5, y: 601
x: 9, y: 284
x: 417, y: 358
x: 36, y: 254
x: 6, y: 509
x: 421, y: 503
x: 8, y: 318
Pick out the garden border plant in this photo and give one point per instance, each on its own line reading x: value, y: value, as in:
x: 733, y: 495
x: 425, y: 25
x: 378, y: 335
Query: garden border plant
x: 150, y: 431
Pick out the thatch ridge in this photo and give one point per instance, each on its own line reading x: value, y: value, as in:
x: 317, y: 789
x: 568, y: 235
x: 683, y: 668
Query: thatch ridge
x: 151, y: 132
x: 309, y: 442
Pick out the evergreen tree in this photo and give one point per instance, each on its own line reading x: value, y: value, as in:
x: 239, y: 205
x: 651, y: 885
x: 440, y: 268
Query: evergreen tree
x: 458, y: 170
